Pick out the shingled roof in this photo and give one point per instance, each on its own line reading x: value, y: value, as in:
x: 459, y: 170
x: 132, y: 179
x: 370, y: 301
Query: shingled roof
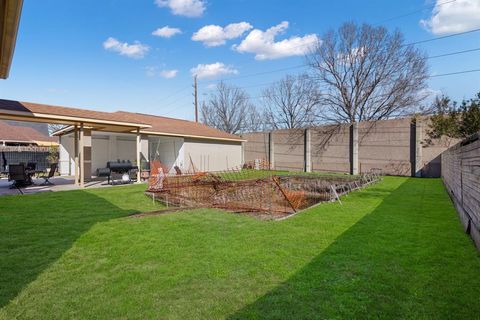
x: 26, y: 108
x: 171, y: 126
x: 23, y: 134
x: 148, y: 124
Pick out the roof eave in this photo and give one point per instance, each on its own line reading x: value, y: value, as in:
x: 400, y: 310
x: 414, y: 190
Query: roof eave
x: 37, y: 117
x: 155, y: 133
x: 9, y: 19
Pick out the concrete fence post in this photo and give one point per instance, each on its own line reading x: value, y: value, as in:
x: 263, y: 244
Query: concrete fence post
x: 353, y: 148
x: 271, y: 151
x: 416, y: 149
x: 307, y: 151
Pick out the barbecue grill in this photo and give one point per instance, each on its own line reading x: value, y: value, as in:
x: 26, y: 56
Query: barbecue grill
x: 119, y: 170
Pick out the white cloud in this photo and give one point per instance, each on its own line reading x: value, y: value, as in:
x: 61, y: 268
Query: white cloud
x: 188, y: 8
x: 263, y: 45
x: 213, y: 35
x: 211, y: 86
x: 166, y: 32
x: 209, y: 71
x: 135, y: 50
x: 168, y: 74
x: 453, y: 17
x: 152, y: 71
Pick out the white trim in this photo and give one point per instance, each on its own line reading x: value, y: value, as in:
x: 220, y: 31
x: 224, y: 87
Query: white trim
x: 33, y: 115
x: 154, y: 133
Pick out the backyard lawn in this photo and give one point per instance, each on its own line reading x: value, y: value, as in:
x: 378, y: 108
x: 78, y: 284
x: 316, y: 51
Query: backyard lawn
x: 393, y: 250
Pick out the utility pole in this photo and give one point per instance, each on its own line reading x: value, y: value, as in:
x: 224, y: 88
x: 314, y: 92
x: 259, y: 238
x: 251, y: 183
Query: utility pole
x: 195, y: 94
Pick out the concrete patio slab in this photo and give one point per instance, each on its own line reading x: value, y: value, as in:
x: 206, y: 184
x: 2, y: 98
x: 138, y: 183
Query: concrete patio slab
x: 62, y: 183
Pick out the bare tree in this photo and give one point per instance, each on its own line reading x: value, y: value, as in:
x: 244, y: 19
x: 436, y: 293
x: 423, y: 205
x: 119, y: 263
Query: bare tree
x: 367, y: 73
x: 291, y: 102
x: 229, y: 109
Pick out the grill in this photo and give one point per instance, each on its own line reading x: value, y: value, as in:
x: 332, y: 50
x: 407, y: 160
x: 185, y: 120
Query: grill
x: 120, y: 166
x: 118, y: 171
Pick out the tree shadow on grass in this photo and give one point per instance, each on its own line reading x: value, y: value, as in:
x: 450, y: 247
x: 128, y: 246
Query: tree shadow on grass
x: 35, y: 230
x: 406, y: 259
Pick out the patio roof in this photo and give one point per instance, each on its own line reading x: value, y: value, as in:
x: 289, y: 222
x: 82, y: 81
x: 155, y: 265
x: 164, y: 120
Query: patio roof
x: 97, y: 120
x: 9, y: 19
x: 120, y: 121
x: 24, y: 134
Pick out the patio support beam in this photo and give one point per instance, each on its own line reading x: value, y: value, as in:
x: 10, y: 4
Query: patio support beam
x: 139, y: 154
x: 82, y: 159
x: 85, y: 155
x: 75, y: 155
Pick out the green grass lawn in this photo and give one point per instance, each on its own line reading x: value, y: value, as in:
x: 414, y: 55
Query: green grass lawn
x: 393, y: 250
x: 245, y: 174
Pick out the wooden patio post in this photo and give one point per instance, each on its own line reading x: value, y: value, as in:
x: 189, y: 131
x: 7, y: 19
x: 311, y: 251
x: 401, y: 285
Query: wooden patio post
x: 75, y: 151
x: 82, y: 156
x: 139, y: 150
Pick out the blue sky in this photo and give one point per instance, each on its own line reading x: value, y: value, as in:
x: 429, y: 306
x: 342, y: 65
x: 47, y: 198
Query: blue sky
x: 102, y: 54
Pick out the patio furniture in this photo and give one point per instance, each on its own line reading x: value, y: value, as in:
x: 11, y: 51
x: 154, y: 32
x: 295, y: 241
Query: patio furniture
x: 4, y: 161
x: 31, y: 166
x: 17, y: 174
x: 51, y: 173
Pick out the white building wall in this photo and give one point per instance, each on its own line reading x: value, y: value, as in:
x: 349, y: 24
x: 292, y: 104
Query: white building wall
x: 100, y: 152
x: 212, y: 155
x: 66, y: 155
x: 167, y: 150
x: 206, y: 155
x: 126, y: 148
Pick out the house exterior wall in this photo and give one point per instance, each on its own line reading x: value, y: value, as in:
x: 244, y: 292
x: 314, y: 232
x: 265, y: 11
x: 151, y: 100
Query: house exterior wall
x: 205, y: 154
x: 210, y: 155
x: 167, y: 150
x: 66, y: 156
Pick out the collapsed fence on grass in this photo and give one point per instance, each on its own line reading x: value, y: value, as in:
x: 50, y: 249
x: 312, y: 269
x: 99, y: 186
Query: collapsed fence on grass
x: 253, y: 188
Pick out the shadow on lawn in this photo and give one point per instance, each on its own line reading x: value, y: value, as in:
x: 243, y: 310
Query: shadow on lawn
x: 388, y: 265
x: 37, y: 230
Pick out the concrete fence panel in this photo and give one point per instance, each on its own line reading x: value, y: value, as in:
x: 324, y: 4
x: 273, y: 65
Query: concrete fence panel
x: 397, y: 147
x: 330, y: 148
x: 386, y: 145
x: 289, y: 146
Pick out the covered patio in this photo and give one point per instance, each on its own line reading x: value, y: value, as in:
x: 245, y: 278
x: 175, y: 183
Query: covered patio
x: 81, y: 123
x: 60, y: 183
x: 93, y: 142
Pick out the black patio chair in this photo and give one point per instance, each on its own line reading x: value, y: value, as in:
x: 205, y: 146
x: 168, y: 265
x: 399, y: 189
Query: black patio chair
x: 51, y: 173
x: 31, y: 165
x: 17, y: 174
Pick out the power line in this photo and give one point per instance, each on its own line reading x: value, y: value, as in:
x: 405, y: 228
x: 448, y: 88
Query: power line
x: 454, y: 73
x: 260, y: 73
x: 175, y: 93
x: 430, y: 76
x: 304, y: 65
x: 416, y: 11
x: 453, y: 53
x: 442, y: 37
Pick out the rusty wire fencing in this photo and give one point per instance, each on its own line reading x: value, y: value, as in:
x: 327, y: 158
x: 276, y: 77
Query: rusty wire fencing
x: 250, y: 190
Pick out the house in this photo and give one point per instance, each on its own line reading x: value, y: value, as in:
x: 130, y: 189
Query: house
x: 15, y: 133
x: 92, y: 138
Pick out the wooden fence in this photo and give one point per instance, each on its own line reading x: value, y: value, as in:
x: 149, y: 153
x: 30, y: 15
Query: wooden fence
x: 461, y: 176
